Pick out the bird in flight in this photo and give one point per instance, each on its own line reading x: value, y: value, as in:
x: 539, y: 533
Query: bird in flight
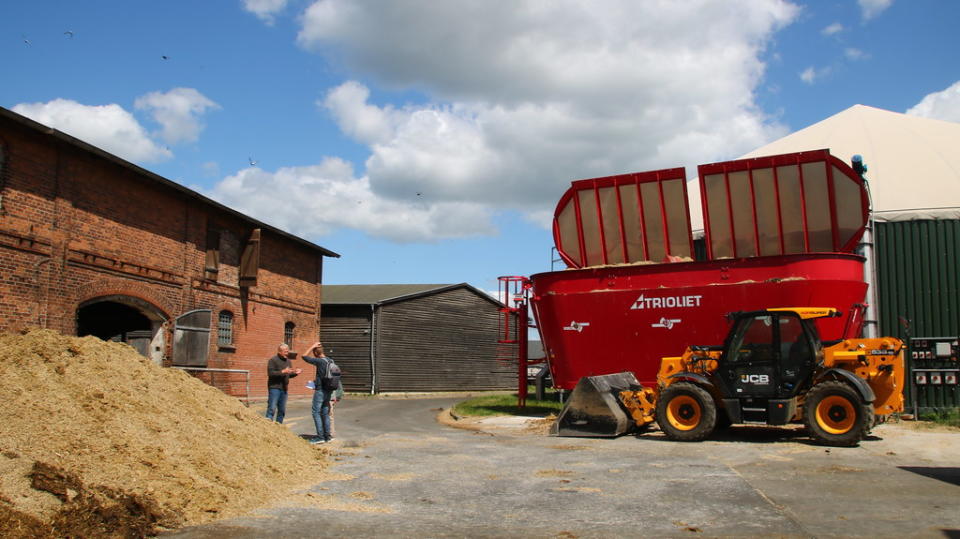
x: 69, y: 34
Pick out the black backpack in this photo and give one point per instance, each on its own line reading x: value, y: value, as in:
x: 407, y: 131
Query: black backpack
x: 331, y: 376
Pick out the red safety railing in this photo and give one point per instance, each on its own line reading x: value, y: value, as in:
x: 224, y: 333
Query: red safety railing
x: 513, y: 327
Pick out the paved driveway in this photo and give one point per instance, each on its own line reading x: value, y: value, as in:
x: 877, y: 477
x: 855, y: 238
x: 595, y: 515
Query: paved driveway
x: 402, y: 474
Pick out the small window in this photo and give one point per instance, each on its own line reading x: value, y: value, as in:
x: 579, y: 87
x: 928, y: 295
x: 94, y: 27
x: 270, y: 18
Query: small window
x: 288, y: 333
x: 225, y: 329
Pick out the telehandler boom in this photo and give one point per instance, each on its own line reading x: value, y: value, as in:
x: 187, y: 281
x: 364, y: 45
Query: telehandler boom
x: 772, y: 369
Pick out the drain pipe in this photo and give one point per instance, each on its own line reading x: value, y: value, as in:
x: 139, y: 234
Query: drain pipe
x: 870, y: 317
x: 373, y: 361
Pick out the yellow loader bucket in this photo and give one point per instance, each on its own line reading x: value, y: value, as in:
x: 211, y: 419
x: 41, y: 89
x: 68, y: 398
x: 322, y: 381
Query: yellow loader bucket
x: 594, y: 409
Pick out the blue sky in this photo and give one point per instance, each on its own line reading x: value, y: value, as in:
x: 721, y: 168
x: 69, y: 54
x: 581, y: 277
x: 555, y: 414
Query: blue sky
x: 428, y: 142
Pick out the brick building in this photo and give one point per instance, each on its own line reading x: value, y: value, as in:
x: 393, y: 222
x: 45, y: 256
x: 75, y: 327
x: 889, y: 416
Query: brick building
x: 93, y: 245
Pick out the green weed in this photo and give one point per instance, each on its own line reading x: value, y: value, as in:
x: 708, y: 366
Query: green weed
x: 506, y: 404
x: 948, y: 417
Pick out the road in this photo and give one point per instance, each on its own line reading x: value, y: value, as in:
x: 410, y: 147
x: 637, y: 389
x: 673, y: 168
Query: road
x: 403, y: 474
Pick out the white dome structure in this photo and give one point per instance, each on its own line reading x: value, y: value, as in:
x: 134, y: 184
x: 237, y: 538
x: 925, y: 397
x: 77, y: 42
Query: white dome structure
x: 913, y: 162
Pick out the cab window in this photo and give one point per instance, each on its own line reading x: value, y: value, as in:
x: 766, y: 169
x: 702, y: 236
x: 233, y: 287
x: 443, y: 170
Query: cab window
x: 753, y: 341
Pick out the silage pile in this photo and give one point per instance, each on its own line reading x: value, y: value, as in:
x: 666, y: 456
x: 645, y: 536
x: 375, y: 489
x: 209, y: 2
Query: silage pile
x: 96, y: 440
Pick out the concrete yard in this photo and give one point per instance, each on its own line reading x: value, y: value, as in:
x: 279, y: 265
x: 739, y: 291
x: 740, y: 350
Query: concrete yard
x: 400, y: 472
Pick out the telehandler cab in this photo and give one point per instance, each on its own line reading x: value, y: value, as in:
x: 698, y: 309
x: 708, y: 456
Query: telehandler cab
x: 772, y: 369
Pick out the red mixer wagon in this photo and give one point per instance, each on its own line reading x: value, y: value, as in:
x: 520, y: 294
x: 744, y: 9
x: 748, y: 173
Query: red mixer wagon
x: 778, y: 231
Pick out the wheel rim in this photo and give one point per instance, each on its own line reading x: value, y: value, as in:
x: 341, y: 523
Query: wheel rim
x: 683, y: 412
x: 836, y: 414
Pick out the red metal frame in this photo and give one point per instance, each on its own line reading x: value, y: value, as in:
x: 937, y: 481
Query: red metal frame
x: 773, y: 162
x: 513, y: 289
x: 572, y: 195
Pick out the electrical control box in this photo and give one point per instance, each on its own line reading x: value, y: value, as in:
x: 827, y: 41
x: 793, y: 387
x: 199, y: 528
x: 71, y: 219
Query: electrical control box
x: 935, y: 368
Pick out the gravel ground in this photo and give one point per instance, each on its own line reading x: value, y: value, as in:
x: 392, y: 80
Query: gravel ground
x: 402, y: 472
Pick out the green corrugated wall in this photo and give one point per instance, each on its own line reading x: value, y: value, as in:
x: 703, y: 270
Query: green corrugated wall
x: 917, y: 273
x: 918, y: 279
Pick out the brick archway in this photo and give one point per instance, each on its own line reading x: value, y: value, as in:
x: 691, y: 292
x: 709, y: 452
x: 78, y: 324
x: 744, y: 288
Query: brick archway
x: 127, y: 313
x: 93, y: 292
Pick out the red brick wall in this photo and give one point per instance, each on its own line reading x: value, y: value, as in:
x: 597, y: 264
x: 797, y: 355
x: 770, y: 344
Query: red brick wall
x: 75, y: 226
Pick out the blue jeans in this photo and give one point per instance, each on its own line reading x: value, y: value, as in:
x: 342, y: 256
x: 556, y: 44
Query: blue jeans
x: 321, y: 413
x: 277, y: 403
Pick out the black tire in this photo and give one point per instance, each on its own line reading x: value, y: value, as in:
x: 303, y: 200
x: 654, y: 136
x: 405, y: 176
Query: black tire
x: 835, y: 414
x: 686, y: 412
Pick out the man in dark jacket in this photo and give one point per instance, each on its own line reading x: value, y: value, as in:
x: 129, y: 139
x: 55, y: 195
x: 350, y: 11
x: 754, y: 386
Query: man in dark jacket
x: 321, y: 397
x: 279, y: 373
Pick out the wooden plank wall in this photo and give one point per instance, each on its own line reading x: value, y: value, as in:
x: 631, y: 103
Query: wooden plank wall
x: 441, y: 342
x: 345, y: 331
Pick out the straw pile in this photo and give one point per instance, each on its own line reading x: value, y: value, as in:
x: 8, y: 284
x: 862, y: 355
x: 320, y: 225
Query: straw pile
x: 96, y: 440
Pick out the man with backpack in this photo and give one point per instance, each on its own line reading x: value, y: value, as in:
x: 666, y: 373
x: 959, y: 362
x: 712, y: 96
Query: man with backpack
x: 326, y: 386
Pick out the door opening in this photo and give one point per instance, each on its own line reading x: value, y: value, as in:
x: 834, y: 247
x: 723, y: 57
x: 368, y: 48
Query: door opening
x: 123, y: 319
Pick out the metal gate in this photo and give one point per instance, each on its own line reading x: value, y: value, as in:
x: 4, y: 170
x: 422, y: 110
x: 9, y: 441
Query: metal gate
x: 191, y: 339
x: 140, y: 340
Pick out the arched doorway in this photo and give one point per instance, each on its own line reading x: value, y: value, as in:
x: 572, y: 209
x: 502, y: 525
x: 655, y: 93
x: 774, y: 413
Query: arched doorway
x: 124, y: 319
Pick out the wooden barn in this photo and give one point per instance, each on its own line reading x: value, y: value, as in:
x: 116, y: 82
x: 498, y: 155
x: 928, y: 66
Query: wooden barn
x: 415, y: 337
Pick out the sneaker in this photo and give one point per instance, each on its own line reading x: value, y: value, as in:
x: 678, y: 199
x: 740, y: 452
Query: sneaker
x: 317, y: 441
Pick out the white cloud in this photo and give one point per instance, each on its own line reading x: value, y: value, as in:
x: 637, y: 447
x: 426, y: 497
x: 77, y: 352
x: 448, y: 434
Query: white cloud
x: 177, y: 112
x: 943, y: 105
x: 512, y: 52
x: 871, y: 8
x: 521, y: 97
x: 833, y: 29
x: 316, y: 200
x: 108, y: 127
x: 365, y: 123
x: 265, y: 10
x: 812, y: 75
x: 854, y: 54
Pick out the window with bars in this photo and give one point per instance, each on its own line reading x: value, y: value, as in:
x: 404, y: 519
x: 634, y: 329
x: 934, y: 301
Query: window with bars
x: 225, y: 329
x: 288, y: 333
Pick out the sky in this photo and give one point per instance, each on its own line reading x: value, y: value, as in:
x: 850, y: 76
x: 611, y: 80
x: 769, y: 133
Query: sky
x: 429, y: 141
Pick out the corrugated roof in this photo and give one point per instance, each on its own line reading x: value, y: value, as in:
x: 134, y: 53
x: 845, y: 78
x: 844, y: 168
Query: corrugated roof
x: 156, y: 178
x: 374, y: 294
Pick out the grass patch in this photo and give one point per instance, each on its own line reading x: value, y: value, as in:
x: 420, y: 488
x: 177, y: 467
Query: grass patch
x: 948, y: 418
x: 506, y: 404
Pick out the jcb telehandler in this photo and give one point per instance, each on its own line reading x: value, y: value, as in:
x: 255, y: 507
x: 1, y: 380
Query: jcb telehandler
x: 772, y: 369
